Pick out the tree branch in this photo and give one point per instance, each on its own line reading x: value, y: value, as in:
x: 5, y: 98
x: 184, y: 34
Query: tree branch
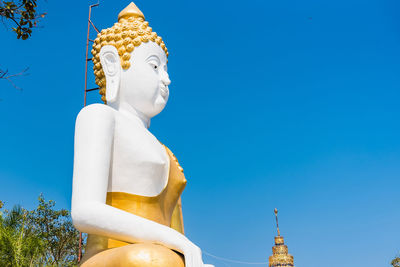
x: 7, y: 76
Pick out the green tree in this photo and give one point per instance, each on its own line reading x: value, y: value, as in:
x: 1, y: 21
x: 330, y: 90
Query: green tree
x: 396, y: 262
x: 41, y: 237
x: 23, y: 17
x: 22, y: 14
x: 55, y: 228
x: 19, y: 245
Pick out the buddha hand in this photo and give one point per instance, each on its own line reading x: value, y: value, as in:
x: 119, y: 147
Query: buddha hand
x: 193, y: 256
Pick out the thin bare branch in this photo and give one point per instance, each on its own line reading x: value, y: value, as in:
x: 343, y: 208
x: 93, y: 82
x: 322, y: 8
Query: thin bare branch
x: 7, y: 76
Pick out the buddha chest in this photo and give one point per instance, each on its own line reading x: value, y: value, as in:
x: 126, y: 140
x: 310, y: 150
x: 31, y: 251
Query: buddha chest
x: 139, y: 162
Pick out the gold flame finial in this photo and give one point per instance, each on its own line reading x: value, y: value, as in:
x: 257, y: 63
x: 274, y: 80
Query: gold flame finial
x: 130, y: 11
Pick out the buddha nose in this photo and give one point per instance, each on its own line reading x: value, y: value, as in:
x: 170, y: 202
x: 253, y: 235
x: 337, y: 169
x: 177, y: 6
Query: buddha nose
x: 165, y: 79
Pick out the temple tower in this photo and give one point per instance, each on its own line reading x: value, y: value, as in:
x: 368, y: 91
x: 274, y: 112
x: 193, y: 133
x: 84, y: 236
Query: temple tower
x: 280, y: 256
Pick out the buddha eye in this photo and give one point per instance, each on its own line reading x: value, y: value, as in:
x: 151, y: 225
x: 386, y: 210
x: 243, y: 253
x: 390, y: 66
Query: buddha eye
x: 154, y: 62
x: 154, y: 65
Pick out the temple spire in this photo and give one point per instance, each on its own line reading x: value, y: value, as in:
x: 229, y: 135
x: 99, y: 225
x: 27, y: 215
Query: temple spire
x: 280, y: 254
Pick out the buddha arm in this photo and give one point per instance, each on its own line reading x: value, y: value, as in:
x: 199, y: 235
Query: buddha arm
x: 90, y: 213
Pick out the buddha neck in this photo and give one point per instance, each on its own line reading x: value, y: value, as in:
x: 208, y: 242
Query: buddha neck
x: 130, y: 112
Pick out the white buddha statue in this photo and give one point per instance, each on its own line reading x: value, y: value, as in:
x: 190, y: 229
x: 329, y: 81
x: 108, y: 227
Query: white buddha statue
x: 126, y: 184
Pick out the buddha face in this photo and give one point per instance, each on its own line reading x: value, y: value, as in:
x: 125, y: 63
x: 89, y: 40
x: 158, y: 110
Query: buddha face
x: 144, y: 86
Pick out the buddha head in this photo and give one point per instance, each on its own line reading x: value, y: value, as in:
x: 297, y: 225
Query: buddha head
x: 130, y: 64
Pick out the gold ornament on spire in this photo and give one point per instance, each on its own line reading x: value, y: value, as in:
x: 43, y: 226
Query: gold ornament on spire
x: 280, y: 254
x: 130, y: 11
x: 129, y: 32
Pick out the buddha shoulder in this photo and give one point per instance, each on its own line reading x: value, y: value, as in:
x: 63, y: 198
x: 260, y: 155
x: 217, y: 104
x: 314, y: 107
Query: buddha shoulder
x: 96, y: 112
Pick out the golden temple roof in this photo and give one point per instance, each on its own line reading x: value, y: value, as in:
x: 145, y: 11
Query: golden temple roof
x: 280, y: 255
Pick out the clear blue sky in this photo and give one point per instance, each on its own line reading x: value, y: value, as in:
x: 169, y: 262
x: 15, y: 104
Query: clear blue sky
x: 287, y: 104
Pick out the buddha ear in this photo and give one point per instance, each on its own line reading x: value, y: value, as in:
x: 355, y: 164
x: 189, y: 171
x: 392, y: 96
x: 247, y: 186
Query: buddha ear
x: 110, y: 62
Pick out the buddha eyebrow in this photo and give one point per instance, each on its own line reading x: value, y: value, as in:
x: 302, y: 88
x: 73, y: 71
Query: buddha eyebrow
x: 153, y: 56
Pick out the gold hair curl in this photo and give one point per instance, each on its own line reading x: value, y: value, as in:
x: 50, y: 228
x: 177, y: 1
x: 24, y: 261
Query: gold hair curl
x: 129, y: 32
